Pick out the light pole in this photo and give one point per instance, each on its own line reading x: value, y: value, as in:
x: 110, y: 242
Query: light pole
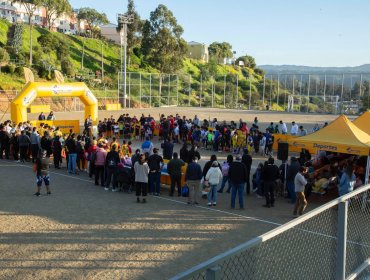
x: 123, y: 21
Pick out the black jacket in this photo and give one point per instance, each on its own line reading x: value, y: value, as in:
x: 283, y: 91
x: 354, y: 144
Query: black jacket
x: 238, y: 172
x: 167, y: 147
x: 112, y: 159
x: 154, y: 162
x: 270, y: 172
x: 247, y: 160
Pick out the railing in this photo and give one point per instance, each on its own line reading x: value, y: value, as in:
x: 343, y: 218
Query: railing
x: 329, y: 242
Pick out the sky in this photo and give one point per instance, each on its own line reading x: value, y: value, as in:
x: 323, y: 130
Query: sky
x: 292, y: 32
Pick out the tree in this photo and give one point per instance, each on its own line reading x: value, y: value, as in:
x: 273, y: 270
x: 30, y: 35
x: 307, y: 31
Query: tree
x: 31, y: 7
x: 248, y: 61
x: 93, y: 18
x: 220, y: 51
x: 54, y: 9
x: 162, y: 44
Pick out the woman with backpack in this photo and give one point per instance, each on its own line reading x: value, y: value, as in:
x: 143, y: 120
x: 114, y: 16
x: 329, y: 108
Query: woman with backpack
x: 141, y: 168
x: 225, y: 174
x: 213, y: 177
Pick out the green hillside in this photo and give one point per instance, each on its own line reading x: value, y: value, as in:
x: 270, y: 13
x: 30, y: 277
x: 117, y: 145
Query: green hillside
x: 197, y: 82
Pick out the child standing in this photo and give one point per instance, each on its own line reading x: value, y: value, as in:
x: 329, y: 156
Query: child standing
x: 42, y: 173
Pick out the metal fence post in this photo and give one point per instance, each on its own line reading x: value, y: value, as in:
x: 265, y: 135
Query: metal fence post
x: 263, y: 91
x: 150, y: 90
x: 225, y: 91
x: 308, y: 93
x: 129, y: 90
x: 341, y: 241
x: 237, y: 92
x: 341, y: 95
x: 213, y: 273
x: 278, y: 90
x: 177, y: 90
x: 250, y: 92
x: 189, y: 90
x: 169, y: 89
x: 201, y: 90
x: 140, y: 93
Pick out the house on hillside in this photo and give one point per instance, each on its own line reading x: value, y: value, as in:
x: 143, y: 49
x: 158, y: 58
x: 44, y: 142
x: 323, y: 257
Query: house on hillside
x: 16, y: 12
x: 109, y: 31
x: 198, y: 51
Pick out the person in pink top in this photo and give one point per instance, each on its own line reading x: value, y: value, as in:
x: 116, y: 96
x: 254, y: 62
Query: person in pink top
x: 99, y: 162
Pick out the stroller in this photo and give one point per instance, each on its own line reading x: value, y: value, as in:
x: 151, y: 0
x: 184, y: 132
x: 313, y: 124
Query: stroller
x: 125, y: 177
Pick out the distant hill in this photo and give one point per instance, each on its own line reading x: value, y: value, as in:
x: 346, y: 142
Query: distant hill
x: 298, y: 69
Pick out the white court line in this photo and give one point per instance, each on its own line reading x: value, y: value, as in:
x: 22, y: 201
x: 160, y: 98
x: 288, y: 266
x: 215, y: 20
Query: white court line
x: 221, y: 211
x: 210, y: 209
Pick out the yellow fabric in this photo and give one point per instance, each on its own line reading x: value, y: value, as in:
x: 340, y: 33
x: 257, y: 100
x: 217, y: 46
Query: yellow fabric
x: 363, y: 122
x: 340, y: 136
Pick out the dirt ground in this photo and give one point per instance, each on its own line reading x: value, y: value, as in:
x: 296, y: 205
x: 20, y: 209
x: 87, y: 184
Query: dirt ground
x: 84, y: 232
x: 264, y: 117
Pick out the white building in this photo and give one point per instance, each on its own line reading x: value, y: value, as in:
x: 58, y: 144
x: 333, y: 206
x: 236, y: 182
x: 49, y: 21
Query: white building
x: 198, y: 51
x: 16, y: 12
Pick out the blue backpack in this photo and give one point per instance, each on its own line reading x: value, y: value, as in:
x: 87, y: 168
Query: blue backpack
x: 185, y: 191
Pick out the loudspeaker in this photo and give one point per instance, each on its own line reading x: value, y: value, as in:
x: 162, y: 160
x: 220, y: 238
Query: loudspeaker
x: 283, y: 151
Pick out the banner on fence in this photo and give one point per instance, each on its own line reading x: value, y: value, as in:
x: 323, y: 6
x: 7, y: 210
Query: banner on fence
x: 64, y: 125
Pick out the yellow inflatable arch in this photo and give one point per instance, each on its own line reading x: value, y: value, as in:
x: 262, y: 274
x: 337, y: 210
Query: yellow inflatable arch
x: 32, y: 90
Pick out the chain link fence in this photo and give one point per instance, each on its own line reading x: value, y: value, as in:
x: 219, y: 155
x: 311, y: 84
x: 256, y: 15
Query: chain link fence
x: 330, y: 242
x: 316, y: 93
x: 309, y: 93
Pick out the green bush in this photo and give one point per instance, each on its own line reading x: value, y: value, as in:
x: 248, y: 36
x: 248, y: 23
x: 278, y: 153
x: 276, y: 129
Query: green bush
x: 19, y: 71
x: 4, y: 55
x: 48, y: 42
x: 67, y: 66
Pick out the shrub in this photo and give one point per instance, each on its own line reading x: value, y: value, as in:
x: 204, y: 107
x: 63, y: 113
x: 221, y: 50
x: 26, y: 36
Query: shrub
x: 67, y: 66
x: 4, y: 55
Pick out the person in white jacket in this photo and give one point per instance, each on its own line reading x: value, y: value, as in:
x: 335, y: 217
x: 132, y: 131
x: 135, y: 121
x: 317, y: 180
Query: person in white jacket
x: 213, y: 176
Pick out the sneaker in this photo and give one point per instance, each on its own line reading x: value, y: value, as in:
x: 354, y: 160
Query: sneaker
x: 266, y: 205
x: 254, y: 190
x: 241, y: 208
x: 196, y: 203
x: 258, y: 196
x: 137, y: 200
x: 107, y: 189
x: 219, y: 191
x: 36, y: 194
x: 144, y: 200
x: 209, y: 204
x: 214, y: 204
x: 48, y: 193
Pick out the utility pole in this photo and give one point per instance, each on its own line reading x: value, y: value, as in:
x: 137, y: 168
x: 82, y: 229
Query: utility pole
x: 123, y: 21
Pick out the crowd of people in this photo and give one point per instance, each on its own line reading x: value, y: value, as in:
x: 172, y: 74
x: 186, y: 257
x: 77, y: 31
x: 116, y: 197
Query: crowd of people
x: 109, y: 159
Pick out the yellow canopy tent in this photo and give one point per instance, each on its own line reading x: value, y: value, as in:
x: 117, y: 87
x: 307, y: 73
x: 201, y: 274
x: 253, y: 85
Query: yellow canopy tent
x: 363, y: 122
x: 340, y: 136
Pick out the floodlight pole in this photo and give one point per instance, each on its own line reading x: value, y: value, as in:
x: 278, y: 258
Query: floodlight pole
x: 123, y: 21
